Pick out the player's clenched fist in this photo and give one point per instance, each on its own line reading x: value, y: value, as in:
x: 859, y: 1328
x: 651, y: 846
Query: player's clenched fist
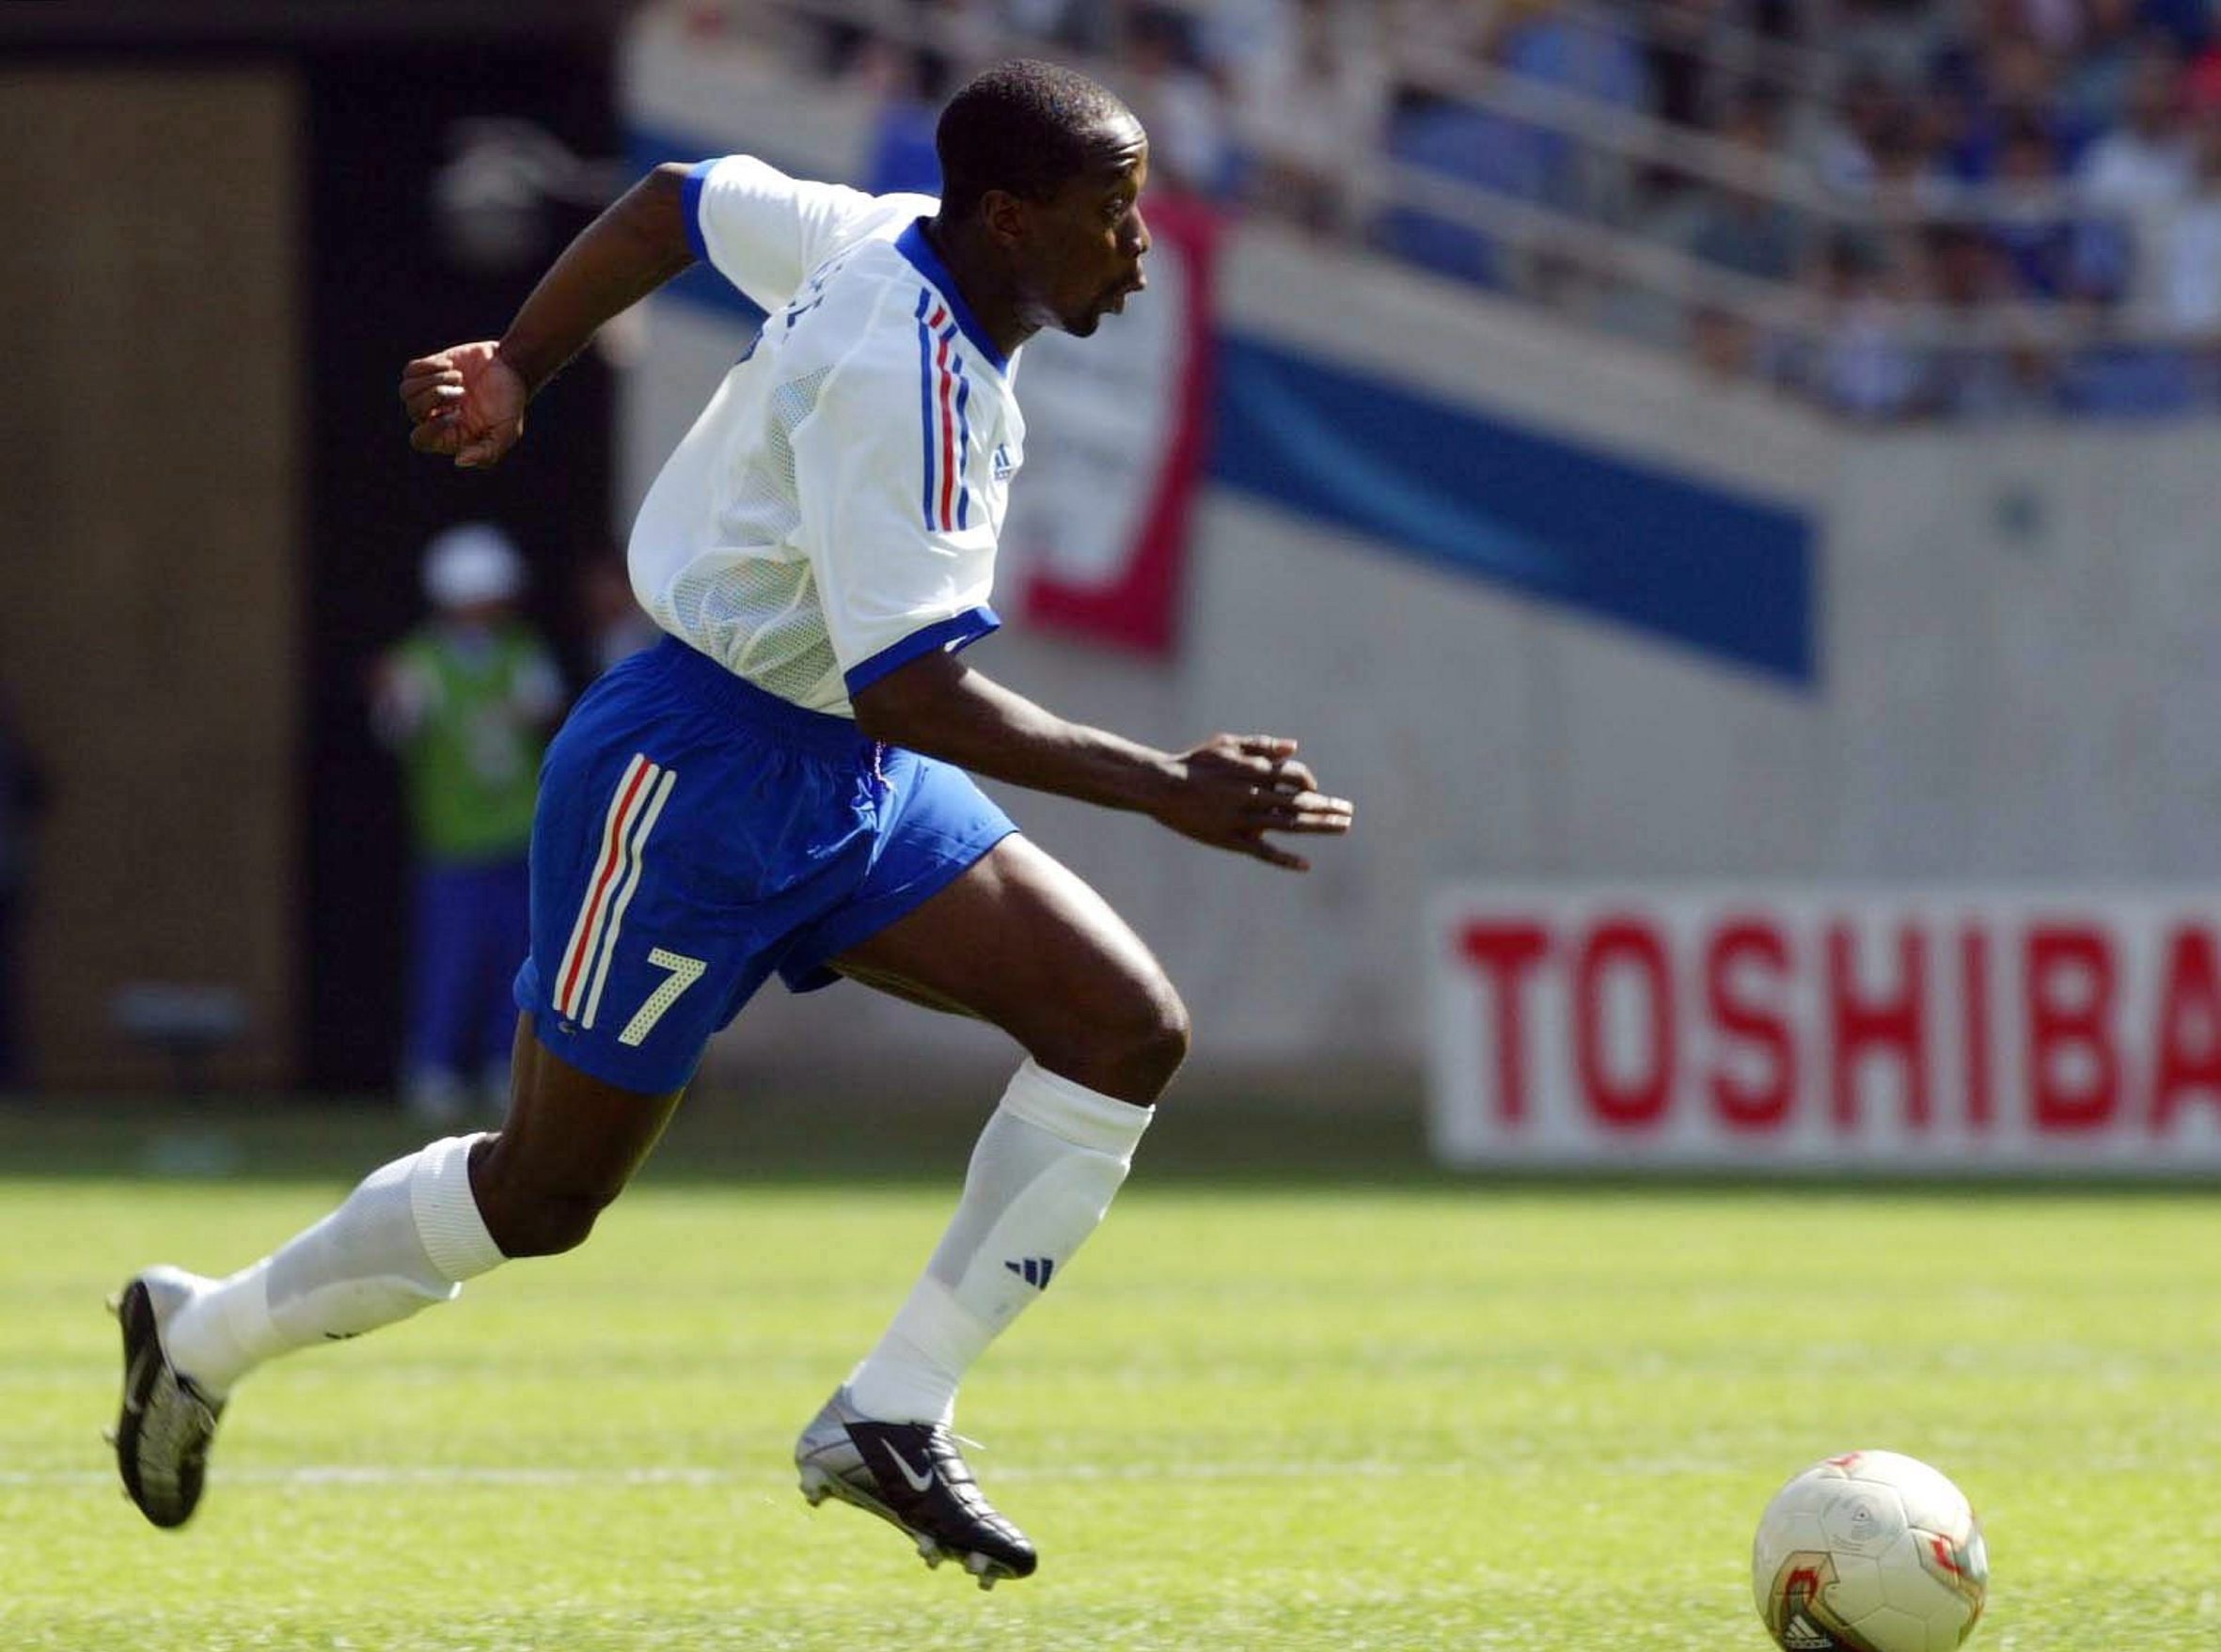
x: 1233, y: 789
x: 466, y: 402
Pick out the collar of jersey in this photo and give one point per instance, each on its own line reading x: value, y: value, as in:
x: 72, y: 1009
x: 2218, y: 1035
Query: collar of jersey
x: 913, y: 246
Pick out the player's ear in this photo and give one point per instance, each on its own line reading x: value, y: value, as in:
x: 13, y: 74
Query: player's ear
x: 1004, y: 216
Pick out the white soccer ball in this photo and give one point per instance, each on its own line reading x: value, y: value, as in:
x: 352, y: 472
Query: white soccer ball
x: 1869, y: 1551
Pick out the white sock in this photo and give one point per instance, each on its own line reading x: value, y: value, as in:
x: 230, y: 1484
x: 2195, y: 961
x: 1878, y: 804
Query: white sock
x: 405, y: 1239
x: 1041, y: 1178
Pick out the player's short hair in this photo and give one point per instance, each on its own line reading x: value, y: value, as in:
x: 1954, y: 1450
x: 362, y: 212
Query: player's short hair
x: 1021, y: 126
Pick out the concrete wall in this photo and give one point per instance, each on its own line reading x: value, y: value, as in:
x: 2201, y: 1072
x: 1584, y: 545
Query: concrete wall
x: 2015, y: 670
x: 2026, y: 670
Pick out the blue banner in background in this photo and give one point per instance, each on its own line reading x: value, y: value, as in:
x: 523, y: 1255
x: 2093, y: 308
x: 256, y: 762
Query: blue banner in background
x: 1680, y: 558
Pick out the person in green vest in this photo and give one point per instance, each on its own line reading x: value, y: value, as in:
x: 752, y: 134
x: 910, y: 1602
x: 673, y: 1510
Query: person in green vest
x: 468, y: 701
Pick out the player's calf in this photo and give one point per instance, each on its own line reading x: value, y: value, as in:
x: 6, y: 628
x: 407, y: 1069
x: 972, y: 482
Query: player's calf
x: 406, y: 1238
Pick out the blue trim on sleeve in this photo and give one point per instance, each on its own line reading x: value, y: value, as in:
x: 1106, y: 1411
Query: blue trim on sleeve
x: 913, y: 246
x: 957, y: 632
x: 701, y: 286
x: 690, y: 203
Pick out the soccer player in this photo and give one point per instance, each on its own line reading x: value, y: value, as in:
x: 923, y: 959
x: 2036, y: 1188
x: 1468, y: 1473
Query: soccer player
x: 780, y: 785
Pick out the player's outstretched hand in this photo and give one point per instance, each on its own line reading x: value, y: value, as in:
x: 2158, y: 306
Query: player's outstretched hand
x: 1233, y: 789
x: 464, y: 402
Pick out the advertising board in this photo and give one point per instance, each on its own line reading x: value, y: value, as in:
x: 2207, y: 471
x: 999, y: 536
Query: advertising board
x: 1935, y: 1031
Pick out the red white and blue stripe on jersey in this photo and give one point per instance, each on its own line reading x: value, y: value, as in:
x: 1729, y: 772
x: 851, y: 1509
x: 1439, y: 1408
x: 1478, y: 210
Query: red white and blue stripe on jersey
x: 944, y: 396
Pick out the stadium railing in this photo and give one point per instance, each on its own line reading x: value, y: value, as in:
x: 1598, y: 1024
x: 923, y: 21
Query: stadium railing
x: 1622, y: 266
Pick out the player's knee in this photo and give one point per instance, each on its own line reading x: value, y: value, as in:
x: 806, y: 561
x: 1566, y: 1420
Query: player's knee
x: 542, y: 1226
x: 528, y: 1212
x: 1166, y: 1046
x: 1144, y: 1042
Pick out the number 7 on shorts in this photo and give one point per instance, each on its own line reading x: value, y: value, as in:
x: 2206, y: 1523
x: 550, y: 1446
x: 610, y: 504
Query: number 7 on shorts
x: 685, y: 973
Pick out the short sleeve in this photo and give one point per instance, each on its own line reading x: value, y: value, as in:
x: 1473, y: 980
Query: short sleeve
x: 904, y: 563
x: 764, y: 231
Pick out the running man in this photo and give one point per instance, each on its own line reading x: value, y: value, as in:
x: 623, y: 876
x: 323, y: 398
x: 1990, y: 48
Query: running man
x: 779, y: 786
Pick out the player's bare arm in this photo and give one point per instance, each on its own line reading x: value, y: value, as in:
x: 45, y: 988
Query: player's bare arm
x: 467, y: 402
x: 1228, y: 792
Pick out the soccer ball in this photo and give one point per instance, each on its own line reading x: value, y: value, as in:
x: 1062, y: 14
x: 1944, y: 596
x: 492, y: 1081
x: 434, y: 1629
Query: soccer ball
x: 1870, y: 1553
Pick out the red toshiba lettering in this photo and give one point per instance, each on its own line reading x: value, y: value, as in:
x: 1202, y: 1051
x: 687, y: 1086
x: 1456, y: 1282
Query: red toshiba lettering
x: 1640, y: 1101
x: 1974, y: 1013
x: 2064, y: 1024
x: 2189, y: 1028
x: 1506, y: 953
x: 1890, y: 1026
x: 1737, y: 951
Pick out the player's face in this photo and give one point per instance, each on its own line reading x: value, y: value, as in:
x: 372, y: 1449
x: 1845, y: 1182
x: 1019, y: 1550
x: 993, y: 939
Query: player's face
x: 1086, y: 243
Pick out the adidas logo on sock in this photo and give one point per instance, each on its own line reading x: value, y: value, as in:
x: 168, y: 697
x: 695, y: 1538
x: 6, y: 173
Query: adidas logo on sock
x: 1035, y: 1270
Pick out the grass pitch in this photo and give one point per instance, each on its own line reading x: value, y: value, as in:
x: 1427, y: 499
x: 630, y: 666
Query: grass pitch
x: 1250, y: 1417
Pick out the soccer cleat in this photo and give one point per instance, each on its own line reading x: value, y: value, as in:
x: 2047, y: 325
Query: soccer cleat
x: 163, y: 1431
x: 911, y: 1475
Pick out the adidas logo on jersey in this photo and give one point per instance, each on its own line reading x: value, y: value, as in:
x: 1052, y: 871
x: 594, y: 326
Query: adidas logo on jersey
x: 1035, y: 1270
x: 1003, y: 467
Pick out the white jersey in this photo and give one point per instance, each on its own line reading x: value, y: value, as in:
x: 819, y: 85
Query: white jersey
x: 833, y: 513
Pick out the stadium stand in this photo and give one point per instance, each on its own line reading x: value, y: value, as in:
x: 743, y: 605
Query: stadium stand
x: 1897, y: 210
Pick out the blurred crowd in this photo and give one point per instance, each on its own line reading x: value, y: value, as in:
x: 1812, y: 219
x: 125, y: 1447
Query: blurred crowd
x: 1902, y: 208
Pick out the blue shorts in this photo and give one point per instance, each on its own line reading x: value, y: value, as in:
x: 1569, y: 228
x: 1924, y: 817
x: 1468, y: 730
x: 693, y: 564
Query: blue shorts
x: 696, y: 833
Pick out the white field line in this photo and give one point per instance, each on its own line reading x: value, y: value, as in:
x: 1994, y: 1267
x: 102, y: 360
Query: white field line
x: 315, y: 1475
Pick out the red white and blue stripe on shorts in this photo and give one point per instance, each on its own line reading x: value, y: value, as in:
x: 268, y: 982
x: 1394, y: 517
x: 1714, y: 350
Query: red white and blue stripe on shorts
x: 634, y: 808
x: 944, y: 395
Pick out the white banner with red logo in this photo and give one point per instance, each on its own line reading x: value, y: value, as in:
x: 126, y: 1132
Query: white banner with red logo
x: 1937, y: 1030
x: 1117, y: 437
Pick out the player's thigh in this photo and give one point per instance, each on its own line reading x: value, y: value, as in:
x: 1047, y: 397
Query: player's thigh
x: 569, y: 1144
x: 639, y: 952
x: 673, y: 851
x: 1020, y: 940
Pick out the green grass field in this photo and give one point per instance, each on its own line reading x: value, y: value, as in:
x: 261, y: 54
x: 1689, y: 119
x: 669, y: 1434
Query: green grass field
x: 1257, y: 1416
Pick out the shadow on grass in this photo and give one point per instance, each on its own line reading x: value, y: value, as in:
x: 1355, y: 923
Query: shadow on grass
x: 1226, y: 1141
x: 781, y: 1139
